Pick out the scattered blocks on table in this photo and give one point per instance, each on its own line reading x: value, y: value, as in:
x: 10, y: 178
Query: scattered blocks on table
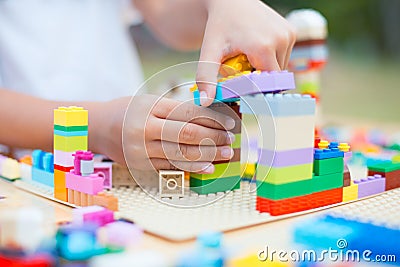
x: 171, y: 183
x: 371, y: 185
x: 105, y: 200
x: 9, y: 169
x: 350, y: 192
x: 328, y: 166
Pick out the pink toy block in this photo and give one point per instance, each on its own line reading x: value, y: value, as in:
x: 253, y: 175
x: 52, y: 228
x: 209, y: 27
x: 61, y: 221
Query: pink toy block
x: 122, y: 234
x: 104, y: 169
x: 2, y: 159
x: 64, y: 159
x: 91, y: 185
x: 81, y: 156
x: 371, y: 185
x: 92, y: 214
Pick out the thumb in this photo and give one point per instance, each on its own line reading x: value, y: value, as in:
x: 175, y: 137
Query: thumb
x: 207, y: 71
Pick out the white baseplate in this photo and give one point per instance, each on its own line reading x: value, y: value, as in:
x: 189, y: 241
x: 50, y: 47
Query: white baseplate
x: 232, y: 210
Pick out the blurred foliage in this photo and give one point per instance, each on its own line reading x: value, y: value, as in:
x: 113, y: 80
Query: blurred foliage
x: 367, y: 25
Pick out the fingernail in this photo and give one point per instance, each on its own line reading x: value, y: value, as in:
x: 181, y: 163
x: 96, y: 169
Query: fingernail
x: 230, y: 138
x: 230, y: 123
x: 227, y: 152
x: 203, y: 98
x: 209, y: 169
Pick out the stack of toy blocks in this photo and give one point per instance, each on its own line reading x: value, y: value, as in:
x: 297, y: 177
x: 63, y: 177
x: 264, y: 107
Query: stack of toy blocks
x: 227, y: 173
x: 285, y: 166
x: 70, y: 135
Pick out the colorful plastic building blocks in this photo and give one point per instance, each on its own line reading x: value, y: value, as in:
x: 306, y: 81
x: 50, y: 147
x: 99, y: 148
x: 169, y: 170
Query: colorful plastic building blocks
x: 105, y: 200
x: 328, y: 166
x: 370, y: 186
x: 240, y: 63
x: 43, y: 167
x: 350, y: 192
x: 120, y: 234
x: 171, y: 183
x: 328, y: 153
x: 389, y: 170
x: 92, y: 214
x: 9, y: 169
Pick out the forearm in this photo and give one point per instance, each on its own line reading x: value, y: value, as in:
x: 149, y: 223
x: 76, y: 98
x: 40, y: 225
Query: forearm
x: 27, y: 122
x: 178, y: 23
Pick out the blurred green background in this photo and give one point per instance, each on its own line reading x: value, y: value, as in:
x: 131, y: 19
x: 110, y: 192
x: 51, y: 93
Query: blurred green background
x: 361, y: 79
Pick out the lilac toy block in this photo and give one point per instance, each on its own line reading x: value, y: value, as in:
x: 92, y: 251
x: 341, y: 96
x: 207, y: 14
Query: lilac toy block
x: 256, y: 82
x: 122, y: 234
x: 93, y: 214
x: 91, y: 185
x: 371, y: 185
x: 286, y: 158
x: 64, y: 159
x: 2, y: 159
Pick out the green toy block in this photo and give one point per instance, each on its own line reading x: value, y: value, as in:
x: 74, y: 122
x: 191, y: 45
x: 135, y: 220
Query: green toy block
x: 328, y: 166
x: 237, y: 142
x: 284, y: 175
x: 221, y: 170
x: 70, y: 128
x: 203, y: 187
x: 327, y: 182
x: 282, y: 191
x: 385, y: 167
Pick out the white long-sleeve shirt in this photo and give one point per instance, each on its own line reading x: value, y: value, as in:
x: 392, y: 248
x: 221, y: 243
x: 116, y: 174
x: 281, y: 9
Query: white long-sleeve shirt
x: 72, y: 50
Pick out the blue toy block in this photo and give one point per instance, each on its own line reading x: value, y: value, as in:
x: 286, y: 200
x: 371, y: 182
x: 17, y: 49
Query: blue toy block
x: 328, y: 153
x: 37, y: 158
x: 218, y: 97
x: 71, y: 133
x: 48, y: 162
x: 278, y: 104
x: 43, y: 177
x: 78, y: 242
x: 348, y: 235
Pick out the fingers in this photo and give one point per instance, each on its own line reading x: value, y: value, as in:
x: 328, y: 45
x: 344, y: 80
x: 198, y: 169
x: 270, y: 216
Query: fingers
x: 187, y: 112
x: 181, y: 152
x: 264, y: 60
x: 189, y: 166
x: 186, y: 133
x: 207, y: 69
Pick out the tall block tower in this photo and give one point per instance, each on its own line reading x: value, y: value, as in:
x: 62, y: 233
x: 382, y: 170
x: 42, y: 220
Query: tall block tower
x: 70, y: 135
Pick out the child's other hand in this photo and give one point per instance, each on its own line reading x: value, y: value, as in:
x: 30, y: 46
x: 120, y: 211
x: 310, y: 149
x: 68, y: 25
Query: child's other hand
x: 162, y: 134
x: 242, y: 27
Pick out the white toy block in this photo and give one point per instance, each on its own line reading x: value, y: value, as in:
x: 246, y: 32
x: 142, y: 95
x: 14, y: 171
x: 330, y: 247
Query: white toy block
x: 10, y: 169
x: 286, y: 133
x: 309, y: 24
x: 26, y: 171
x: 171, y: 183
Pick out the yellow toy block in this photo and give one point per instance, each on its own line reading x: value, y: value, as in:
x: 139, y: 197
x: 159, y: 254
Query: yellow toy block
x: 71, y: 116
x: 234, y: 65
x: 70, y: 143
x: 344, y: 147
x: 10, y: 169
x: 323, y: 144
x: 396, y: 158
x: 350, y: 192
x: 253, y: 261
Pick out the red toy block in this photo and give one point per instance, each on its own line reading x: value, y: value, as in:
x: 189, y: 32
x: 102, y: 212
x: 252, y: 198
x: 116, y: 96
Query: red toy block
x: 62, y: 168
x: 29, y: 261
x: 302, y: 203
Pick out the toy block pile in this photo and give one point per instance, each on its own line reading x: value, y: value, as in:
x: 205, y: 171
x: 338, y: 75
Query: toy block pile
x: 9, y: 168
x: 93, y: 231
x: 70, y: 135
x: 310, y: 51
x: 227, y: 173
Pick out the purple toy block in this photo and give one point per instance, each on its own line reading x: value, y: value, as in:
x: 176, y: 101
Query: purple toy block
x: 64, y: 159
x: 91, y: 185
x: 371, y: 185
x: 2, y: 159
x: 328, y: 153
x: 286, y: 158
x: 92, y: 214
x: 257, y: 82
x: 122, y: 234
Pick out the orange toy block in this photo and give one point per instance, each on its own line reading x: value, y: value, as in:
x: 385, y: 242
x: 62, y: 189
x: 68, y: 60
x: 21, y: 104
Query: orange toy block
x: 60, y: 191
x: 105, y: 200
x: 71, y: 198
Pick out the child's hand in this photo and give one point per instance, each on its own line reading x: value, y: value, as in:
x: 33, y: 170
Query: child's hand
x: 163, y: 133
x: 249, y: 27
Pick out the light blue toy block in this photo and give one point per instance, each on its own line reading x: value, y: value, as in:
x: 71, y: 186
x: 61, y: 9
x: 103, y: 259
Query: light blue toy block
x: 71, y: 133
x: 278, y: 105
x: 43, y: 177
